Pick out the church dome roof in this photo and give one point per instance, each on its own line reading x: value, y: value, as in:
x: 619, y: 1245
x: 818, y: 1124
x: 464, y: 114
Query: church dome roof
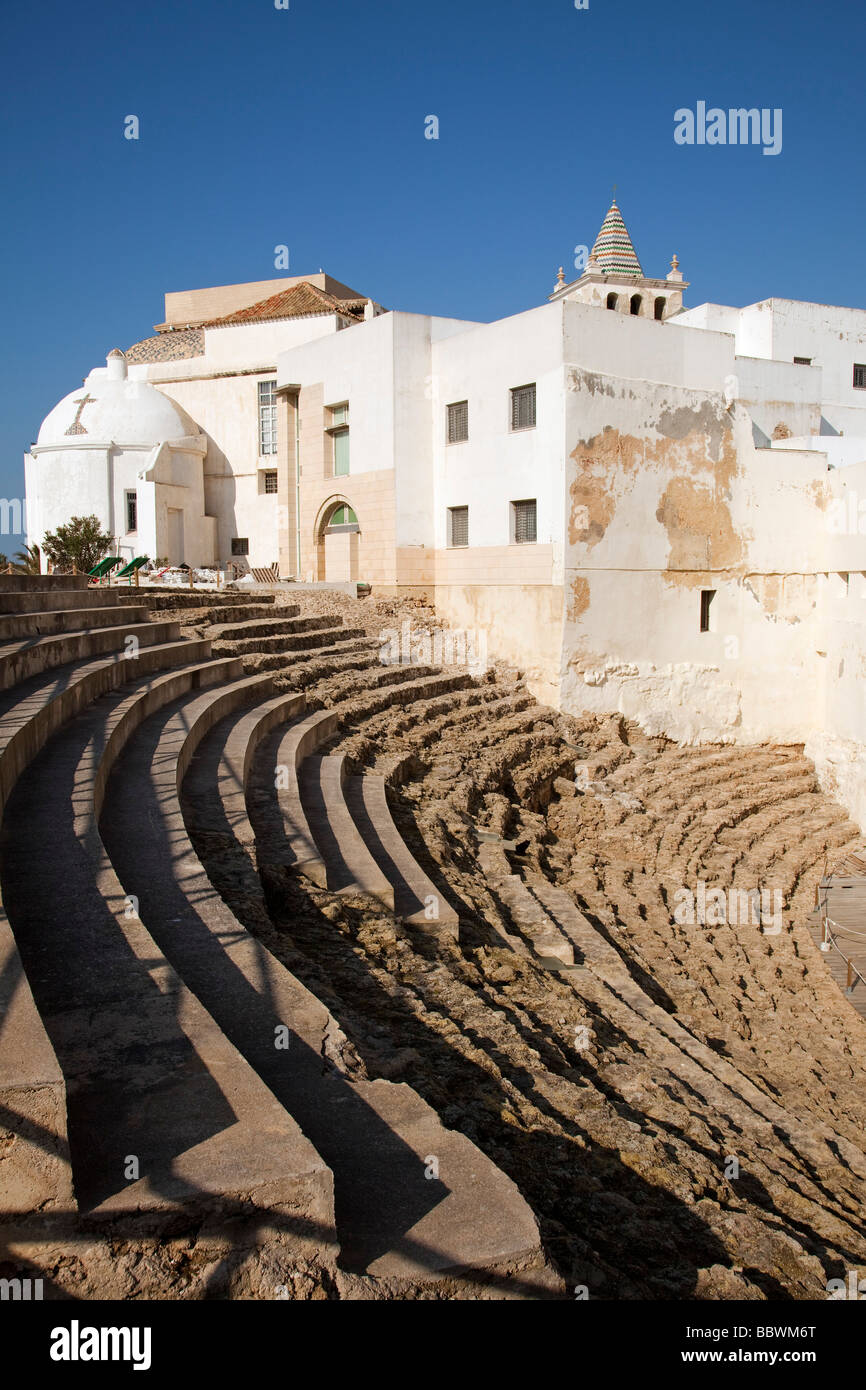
x: 111, y: 408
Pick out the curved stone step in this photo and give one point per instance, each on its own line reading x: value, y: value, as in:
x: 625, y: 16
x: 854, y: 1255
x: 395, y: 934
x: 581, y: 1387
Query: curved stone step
x: 349, y: 866
x: 15, y: 626
x: 20, y: 660
x: 395, y: 1217
x: 548, y: 944
x: 310, y: 640
x: 150, y: 1074
x: 32, y: 711
x: 417, y: 901
x: 295, y: 847
x: 57, y: 600
x: 218, y: 776
x: 287, y: 622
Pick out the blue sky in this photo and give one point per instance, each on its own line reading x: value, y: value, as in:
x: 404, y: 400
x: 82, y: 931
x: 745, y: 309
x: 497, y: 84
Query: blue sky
x: 305, y: 127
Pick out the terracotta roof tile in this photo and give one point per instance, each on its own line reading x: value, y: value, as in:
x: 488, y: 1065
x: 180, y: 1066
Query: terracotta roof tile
x: 298, y: 301
x: 168, y: 347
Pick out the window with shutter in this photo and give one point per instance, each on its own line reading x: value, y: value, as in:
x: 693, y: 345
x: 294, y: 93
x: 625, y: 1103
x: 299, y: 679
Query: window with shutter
x: 523, y: 407
x: 267, y: 417
x: 458, y: 422
x: 341, y: 453
x: 458, y: 526
x: 859, y: 375
x: 523, y: 522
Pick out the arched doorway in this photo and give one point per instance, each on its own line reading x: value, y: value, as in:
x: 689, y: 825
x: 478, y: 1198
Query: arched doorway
x: 338, y: 536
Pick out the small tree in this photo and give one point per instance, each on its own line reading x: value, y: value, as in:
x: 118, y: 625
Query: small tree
x: 80, y: 544
x: 27, y: 561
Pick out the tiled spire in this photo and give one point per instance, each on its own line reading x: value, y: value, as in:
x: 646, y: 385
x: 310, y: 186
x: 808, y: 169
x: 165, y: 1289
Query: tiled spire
x: 613, y: 251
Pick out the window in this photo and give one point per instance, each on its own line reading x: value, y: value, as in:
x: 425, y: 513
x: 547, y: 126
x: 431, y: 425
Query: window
x: 132, y: 511
x: 240, y: 545
x: 458, y: 422
x: 612, y: 301
x: 341, y: 453
x: 338, y: 429
x: 802, y: 361
x: 659, y: 308
x: 343, y: 516
x: 524, y: 528
x: 707, y: 596
x: 270, y: 480
x: 523, y: 407
x: 860, y: 375
x: 267, y: 417
x: 635, y: 305
x: 458, y: 526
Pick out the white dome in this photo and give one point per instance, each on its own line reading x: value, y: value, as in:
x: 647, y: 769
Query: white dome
x: 110, y: 407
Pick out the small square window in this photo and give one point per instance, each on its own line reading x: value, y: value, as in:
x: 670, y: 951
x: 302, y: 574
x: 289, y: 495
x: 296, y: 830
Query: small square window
x: 458, y: 526
x: 523, y: 407
x: 271, y: 480
x: 458, y: 422
x: 860, y: 376
x: 524, y: 528
x: 240, y: 545
x: 132, y: 511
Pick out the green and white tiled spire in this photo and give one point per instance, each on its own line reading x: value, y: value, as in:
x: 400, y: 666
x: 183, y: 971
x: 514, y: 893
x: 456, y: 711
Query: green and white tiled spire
x: 613, y: 252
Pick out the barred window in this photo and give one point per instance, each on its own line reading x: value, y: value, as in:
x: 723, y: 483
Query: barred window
x: 132, y: 511
x: 240, y: 545
x: 458, y: 422
x: 859, y: 375
x: 267, y: 417
x: 523, y: 407
x: 271, y: 480
x: 458, y: 526
x: 523, y: 522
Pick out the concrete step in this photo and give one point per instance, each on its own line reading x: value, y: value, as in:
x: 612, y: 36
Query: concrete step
x: 20, y: 660
x: 166, y: 600
x: 547, y: 942
x: 289, y: 843
x: 394, y: 1218
x: 288, y: 642
x: 55, y: 600
x: 148, y: 1072
x: 214, y: 789
x: 417, y: 900
x: 23, y: 625
x: 31, y: 712
x: 349, y: 866
x: 232, y: 631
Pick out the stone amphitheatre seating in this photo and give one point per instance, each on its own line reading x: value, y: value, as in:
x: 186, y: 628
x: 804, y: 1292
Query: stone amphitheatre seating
x: 155, y: 1056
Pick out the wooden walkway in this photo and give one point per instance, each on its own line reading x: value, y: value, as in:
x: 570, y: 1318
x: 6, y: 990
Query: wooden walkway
x: 842, y: 895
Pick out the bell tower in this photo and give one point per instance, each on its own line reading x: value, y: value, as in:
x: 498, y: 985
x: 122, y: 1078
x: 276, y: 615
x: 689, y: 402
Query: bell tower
x: 613, y: 277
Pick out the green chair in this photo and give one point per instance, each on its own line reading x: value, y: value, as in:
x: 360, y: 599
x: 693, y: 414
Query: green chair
x: 104, y: 568
x: 130, y: 571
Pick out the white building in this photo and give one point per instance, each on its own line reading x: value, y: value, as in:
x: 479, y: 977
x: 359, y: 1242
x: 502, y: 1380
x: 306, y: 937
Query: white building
x: 651, y: 510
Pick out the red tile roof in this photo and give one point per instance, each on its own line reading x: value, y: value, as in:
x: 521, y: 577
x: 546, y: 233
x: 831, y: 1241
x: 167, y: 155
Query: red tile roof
x: 299, y: 301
